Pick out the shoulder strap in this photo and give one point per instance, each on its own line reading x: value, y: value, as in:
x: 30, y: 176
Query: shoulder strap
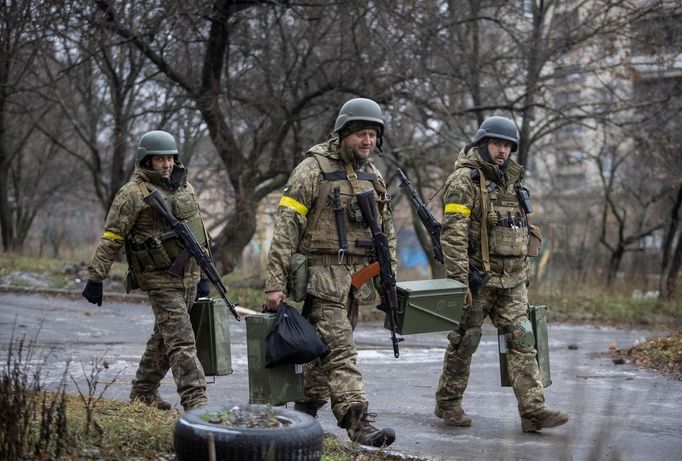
x: 485, y: 249
x: 353, y: 178
x: 143, y: 187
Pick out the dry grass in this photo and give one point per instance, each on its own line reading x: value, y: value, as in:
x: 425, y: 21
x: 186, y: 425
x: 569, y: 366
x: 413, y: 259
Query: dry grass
x: 121, y: 430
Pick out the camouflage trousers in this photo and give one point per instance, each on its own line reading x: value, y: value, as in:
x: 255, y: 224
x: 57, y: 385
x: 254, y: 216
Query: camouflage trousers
x: 172, y: 346
x: 335, y: 375
x: 504, y: 306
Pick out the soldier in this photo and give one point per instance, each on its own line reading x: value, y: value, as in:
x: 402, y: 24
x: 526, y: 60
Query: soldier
x: 133, y: 224
x: 485, y: 229
x: 306, y: 226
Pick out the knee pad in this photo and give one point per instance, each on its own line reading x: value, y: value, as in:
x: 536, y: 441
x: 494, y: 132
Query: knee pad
x: 519, y: 335
x: 467, y: 343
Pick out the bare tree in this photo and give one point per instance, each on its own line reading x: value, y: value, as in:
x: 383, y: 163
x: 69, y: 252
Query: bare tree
x: 26, y: 157
x: 629, y: 206
x: 261, y: 76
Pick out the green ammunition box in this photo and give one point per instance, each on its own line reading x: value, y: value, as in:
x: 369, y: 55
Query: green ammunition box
x: 426, y: 306
x: 538, y: 318
x: 212, y: 335
x: 277, y: 385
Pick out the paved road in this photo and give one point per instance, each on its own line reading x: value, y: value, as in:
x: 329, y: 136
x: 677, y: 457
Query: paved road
x: 617, y: 411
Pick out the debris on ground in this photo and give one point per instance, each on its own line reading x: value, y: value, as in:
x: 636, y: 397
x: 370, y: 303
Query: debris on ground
x: 663, y: 354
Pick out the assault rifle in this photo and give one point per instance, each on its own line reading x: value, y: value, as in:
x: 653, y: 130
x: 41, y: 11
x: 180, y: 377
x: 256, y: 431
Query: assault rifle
x: 432, y: 226
x: 192, y: 248
x: 368, y: 208
x: 477, y: 278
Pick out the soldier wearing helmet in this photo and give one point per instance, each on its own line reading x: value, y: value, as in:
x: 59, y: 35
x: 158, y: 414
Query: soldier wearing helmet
x: 485, y: 235
x: 133, y: 224
x: 306, y: 229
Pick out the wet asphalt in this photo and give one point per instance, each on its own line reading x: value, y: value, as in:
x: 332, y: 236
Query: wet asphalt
x: 617, y: 411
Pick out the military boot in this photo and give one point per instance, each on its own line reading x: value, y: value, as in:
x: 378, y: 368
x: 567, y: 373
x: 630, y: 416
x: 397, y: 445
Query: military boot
x: 306, y: 407
x: 152, y: 400
x: 361, y: 431
x: 197, y: 404
x: 453, y: 416
x: 542, y: 419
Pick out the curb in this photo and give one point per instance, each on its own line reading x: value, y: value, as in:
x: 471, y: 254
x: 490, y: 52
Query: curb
x: 108, y: 295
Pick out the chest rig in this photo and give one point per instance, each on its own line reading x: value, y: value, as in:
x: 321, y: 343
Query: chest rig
x: 502, y: 216
x: 336, y: 214
x: 148, y: 247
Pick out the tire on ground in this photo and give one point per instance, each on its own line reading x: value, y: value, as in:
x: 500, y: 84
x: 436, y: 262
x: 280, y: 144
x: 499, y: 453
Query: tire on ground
x: 300, y: 440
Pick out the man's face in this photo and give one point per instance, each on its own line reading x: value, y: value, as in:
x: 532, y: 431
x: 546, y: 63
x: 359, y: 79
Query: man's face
x: 499, y: 151
x: 362, y: 142
x: 163, y: 165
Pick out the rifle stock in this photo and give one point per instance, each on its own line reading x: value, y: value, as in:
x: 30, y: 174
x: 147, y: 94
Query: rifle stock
x: 364, y: 275
x: 192, y: 247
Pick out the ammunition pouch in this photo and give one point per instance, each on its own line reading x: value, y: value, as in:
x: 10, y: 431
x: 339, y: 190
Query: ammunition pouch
x: 509, y: 241
x: 150, y: 253
x: 354, y: 212
x: 297, y: 277
x: 534, y: 240
x: 512, y: 222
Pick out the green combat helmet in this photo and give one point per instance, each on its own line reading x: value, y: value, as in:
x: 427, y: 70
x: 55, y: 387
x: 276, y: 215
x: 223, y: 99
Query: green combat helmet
x: 156, y: 143
x: 499, y: 128
x: 361, y: 110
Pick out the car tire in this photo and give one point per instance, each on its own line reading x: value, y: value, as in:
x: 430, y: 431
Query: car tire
x: 300, y: 440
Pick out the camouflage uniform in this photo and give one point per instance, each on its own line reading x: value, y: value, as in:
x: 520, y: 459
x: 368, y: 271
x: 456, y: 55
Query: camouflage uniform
x: 305, y: 224
x: 504, y: 299
x: 172, y: 343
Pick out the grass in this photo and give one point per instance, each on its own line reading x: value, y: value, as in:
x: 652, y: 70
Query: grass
x: 612, y: 307
x: 122, y: 430
x: 53, y: 273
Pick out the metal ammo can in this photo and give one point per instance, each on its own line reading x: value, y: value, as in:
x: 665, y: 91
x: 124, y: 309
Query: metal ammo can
x: 277, y: 385
x: 426, y: 306
x: 212, y: 335
x: 538, y: 318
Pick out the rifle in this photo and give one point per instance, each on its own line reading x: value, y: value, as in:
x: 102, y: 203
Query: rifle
x: 368, y: 208
x: 433, y: 227
x: 477, y: 278
x: 192, y: 248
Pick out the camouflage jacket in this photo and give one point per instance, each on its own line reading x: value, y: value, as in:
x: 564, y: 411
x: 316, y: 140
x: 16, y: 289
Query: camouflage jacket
x: 462, y: 221
x: 301, y: 200
x: 130, y: 216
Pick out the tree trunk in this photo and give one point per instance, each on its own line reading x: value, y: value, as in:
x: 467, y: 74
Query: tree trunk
x: 668, y: 286
x: 670, y: 262
x: 614, y: 264
x: 237, y: 233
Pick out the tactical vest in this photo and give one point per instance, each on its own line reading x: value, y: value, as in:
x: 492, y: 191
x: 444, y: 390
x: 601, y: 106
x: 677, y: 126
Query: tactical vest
x: 321, y: 238
x: 506, y: 220
x: 147, y: 248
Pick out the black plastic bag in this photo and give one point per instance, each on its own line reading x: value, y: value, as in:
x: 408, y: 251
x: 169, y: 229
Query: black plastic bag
x: 292, y: 339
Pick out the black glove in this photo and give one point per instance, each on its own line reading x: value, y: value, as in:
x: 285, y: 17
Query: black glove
x: 203, y: 289
x: 93, y: 292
